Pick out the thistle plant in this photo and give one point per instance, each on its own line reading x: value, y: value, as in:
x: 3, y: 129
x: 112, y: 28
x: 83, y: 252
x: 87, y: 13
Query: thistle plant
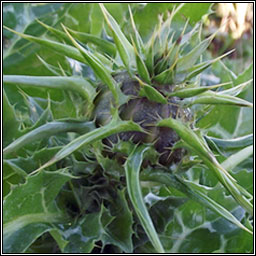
x: 127, y: 144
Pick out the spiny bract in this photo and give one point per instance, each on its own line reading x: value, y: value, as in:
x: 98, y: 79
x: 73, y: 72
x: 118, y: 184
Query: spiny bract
x: 139, y: 109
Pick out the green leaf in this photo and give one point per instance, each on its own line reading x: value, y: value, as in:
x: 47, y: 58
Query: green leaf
x: 210, y: 203
x: 119, y: 231
x: 83, y: 37
x: 88, y: 18
x: 97, y: 21
x: 21, y: 237
x: 234, y: 91
x: 193, y: 191
x: 215, y: 98
x: 100, y: 71
x: 112, y: 226
x: 196, y: 144
x: 235, y: 159
x: 22, y: 53
x: 55, y: 31
x: 78, y: 17
x: 12, y: 175
x: 188, y: 136
x: 199, y: 68
x: 47, y: 130
x: 132, y: 169
x: 59, y: 239
x: 190, y: 92
x: 10, y: 122
x: 239, y: 142
x: 151, y: 93
x: 62, y: 49
x: 240, y: 243
x: 123, y: 45
x: 187, y: 61
x: 142, y: 69
x: 54, y: 71
x: 165, y: 77
x: 194, y: 11
x: 162, y: 211
x: 138, y: 44
x: 29, y: 210
x: 225, y: 121
x: 204, y: 235
x: 82, y: 234
x: 149, y: 61
x: 246, y: 75
x: 104, y: 45
x: 31, y: 162
x: 7, y: 165
x: 20, y: 16
x: 115, y: 126
x: 79, y: 85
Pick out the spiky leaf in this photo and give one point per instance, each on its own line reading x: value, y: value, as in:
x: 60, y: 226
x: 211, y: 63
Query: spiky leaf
x: 132, y: 169
x: 29, y: 210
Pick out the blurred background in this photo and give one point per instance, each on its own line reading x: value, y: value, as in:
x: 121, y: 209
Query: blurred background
x: 235, y: 21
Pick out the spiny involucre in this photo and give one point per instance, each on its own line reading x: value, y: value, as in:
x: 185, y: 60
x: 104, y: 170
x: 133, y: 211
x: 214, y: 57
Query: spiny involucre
x: 142, y: 102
